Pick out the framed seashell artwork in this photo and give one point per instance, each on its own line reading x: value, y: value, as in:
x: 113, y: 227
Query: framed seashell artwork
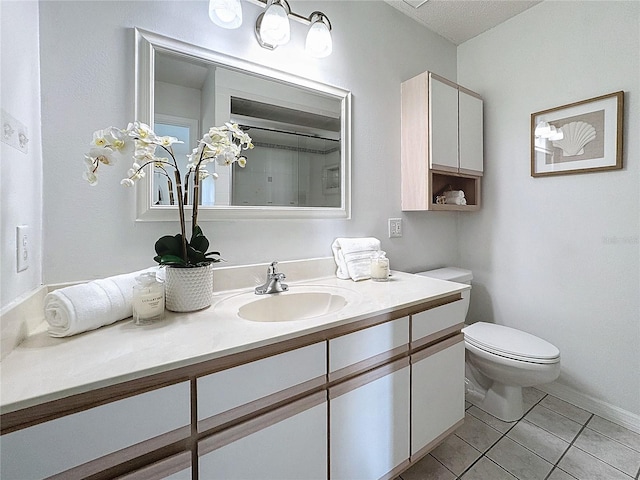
x: 580, y: 137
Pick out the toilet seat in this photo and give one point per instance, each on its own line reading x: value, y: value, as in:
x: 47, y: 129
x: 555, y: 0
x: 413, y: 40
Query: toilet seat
x: 510, y: 343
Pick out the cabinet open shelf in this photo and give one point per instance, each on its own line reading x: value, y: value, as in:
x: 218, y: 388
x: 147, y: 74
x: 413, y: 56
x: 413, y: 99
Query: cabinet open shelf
x: 442, y: 181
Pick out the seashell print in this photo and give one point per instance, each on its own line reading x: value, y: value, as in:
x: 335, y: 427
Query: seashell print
x: 576, y: 136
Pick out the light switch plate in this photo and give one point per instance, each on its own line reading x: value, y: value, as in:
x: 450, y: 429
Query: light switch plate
x: 22, y: 247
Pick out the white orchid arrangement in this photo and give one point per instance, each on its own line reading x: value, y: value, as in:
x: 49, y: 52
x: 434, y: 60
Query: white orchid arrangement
x: 223, y: 145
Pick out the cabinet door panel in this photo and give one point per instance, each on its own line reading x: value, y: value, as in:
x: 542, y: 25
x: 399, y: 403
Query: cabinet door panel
x: 443, y: 126
x: 370, y: 428
x: 437, y: 393
x: 231, y: 388
x: 471, y: 133
x: 370, y: 343
x: 53, y: 447
x: 292, y: 448
x: 437, y: 319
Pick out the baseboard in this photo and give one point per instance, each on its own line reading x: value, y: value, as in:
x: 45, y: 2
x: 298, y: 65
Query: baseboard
x: 602, y: 409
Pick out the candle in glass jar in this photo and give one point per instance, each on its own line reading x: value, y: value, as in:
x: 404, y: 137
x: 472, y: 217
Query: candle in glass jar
x: 380, y: 268
x: 148, y: 299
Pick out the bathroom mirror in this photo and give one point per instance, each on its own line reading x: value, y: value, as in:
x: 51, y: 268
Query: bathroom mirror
x: 300, y: 166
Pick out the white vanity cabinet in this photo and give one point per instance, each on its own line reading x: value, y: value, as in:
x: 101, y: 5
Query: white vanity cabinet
x: 289, y: 443
x: 442, y: 143
x: 369, y: 410
x: 78, y: 444
x: 437, y: 375
x: 369, y: 424
x: 437, y: 394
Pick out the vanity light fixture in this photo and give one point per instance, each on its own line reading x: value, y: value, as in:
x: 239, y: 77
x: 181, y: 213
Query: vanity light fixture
x: 273, y: 25
x: 226, y: 13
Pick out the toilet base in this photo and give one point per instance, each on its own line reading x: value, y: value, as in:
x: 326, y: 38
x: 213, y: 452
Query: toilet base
x: 503, y: 402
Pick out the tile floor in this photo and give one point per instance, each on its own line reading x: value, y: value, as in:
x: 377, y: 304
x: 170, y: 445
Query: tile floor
x: 553, y: 441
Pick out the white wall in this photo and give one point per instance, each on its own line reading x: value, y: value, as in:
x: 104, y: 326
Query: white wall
x: 559, y: 256
x: 20, y: 173
x: 87, y: 83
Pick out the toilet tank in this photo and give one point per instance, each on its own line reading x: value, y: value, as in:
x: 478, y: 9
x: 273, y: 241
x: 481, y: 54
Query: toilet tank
x: 453, y: 274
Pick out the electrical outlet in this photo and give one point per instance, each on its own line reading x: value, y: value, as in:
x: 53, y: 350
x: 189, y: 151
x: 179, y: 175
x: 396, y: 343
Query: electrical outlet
x: 22, y: 247
x: 395, y: 227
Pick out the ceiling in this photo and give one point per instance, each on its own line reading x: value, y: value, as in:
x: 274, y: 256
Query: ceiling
x: 461, y: 20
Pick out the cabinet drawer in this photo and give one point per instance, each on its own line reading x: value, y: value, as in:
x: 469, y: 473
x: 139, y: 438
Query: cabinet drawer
x: 59, y: 445
x: 367, y: 348
x: 230, y: 394
x: 177, y: 467
x: 425, y: 325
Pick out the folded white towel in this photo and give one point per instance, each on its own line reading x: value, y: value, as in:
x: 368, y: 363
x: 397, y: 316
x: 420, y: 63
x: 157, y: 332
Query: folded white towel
x: 353, y: 257
x: 87, y: 306
x: 454, y: 194
x: 456, y: 201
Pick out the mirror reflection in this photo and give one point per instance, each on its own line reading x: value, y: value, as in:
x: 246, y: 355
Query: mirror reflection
x: 299, y: 130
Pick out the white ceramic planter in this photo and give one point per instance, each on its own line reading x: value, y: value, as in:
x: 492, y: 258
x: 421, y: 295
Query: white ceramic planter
x: 188, y: 289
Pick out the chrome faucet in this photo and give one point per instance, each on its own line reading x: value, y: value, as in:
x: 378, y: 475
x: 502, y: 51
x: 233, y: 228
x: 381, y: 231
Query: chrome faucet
x: 273, y: 283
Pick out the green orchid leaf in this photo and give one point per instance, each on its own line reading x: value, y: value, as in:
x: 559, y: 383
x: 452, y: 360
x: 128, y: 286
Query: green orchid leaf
x: 200, y: 243
x: 169, y: 260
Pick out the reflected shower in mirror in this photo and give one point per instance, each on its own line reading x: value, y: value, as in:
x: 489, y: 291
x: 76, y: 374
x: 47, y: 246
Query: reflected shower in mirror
x: 299, y: 166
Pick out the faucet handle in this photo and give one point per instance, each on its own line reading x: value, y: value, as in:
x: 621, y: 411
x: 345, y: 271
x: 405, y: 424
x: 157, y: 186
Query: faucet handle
x: 272, y: 269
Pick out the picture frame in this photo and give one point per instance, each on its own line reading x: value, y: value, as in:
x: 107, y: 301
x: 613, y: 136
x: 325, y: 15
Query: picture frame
x: 580, y: 137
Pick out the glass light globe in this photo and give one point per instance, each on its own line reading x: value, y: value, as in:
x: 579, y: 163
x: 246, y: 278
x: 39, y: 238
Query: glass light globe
x: 274, y: 26
x: 319, y: 43
x: 226, y: 13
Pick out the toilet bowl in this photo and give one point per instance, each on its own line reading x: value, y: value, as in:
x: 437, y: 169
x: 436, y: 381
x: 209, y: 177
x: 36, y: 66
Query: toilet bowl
x: 501, y: 360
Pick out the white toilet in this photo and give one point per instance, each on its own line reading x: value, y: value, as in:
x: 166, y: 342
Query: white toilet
x: 501, y: 360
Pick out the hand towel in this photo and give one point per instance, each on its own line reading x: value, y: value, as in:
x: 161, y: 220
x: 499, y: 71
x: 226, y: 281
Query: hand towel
x: 87, y: 306
x: 353, y: 257
x: 456, y: 201
x: 454, y: 194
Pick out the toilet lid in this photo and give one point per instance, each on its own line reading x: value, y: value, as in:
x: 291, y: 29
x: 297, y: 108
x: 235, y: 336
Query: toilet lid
x: 509, y: 342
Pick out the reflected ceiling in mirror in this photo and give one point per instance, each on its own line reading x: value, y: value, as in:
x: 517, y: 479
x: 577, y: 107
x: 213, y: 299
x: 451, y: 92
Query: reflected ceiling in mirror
x: 300, y: 166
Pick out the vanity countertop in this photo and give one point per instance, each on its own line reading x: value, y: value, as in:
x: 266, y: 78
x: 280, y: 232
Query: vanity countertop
x: 42, y: 368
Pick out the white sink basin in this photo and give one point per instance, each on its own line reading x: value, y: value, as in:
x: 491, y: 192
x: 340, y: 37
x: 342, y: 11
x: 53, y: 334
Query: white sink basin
x: 301, y: 302
x: 285, y: 307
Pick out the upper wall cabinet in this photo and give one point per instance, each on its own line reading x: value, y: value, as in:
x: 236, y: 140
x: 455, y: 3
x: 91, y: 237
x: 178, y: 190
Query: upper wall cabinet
x: 442, y: 143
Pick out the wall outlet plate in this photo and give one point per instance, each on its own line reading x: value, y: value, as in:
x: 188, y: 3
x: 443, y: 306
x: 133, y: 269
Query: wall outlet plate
x: 395, y: 227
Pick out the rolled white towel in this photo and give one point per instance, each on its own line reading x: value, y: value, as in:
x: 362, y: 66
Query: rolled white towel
x: 87, y: 306
x: 456, y: 201
x: 454, y: 194
x: 353, y: 257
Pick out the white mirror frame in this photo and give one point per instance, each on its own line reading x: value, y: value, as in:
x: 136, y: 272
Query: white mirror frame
x: 146, y: 45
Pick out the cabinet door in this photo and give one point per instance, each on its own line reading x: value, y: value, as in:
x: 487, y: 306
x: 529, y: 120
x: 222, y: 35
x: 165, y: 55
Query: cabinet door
x: 177, y: 467
x: 443, y: 124
x: 287, y: 443
x: 369, y: 424
x: 437, y: 393
x: 58, y: 445
x: 470, y: 132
